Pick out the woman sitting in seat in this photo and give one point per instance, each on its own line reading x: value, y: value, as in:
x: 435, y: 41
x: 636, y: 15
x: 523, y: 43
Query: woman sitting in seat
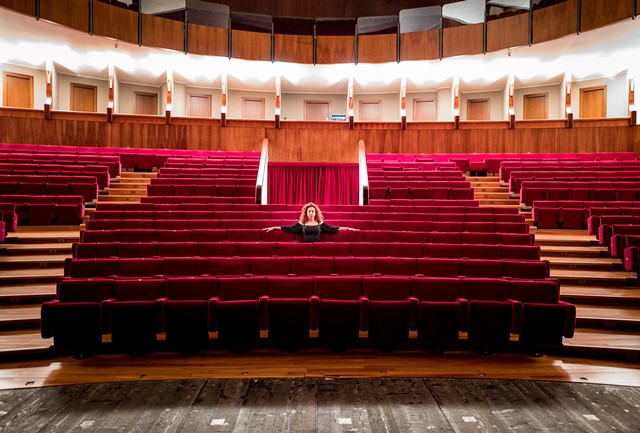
x: 311, y: 225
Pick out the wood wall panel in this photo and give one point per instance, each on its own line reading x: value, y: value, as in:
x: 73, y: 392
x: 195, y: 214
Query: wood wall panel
x: 335, y: 49
x: 115, y: 22
x: 462, y: 40
x: 420, y: 45
x: 70, y: 13
x: 250, y: 45
x: 208, y: 41
x: 294, y: 48
x: 598, y: 13
x: 377, y: 48
x: 163, y: 33
x: 22, y: 6
x: 512, y: 31
x: 322, y: 141
x: 556, y: 21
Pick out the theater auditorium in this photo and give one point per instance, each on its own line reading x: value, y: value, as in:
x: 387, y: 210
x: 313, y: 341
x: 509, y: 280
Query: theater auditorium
x: 469, y: 261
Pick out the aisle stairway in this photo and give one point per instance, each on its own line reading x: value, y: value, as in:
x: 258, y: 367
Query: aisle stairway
x: 607, y: 297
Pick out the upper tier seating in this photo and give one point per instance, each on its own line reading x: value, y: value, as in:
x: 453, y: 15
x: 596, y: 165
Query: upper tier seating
x: 531, y: 191
x: 575, y: 214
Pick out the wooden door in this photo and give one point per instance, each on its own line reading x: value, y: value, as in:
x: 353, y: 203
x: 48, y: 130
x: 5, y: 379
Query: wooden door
x: 424, y: 109
x: 253, y: 108
x: 535, y: 106
x: 478, y: 109
x: 316, y: 110
x: 145, y: 103
x: 18, y: 90
x: 593, y: 102
x: 84, y: 97
x: 199, y: 105
x: 370, y: 111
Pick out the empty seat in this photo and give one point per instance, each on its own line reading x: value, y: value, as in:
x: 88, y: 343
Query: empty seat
x: 339, y: 305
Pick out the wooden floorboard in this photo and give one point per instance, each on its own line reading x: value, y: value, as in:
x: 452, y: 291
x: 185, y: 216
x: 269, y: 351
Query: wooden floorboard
x: 345, y: 405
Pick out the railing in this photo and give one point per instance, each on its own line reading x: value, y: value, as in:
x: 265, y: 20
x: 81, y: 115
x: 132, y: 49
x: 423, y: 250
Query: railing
x: 261, y: 182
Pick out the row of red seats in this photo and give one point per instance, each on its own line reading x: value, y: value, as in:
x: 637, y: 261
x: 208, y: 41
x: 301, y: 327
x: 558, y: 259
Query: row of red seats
x: 88, y: 191
x: 179, y: 199
x: 624, y: 191
x: 623, y: 160
x: 411, y: 193
x: 419, y: 183
x: 574, y: 214
x: 619, y: 242
x: 394, y: 202
x: 101, y: 172
x: 417, y: 174
x: 339, y: 308
x: 111, y: 161
x: 391, y: 218
x: 4, y: 227
x: 233, y: 266
x: 86, y: 250
x: 594, y: 222
x: 41, y: 214
x: 371, y: 228
x: 256, y: 235
x: 382, y: 166
x: 203, y: 190
x: 202, y: 181
x: 607, y: 230
x: 208, y: 172
x: 517, y: 177
x: 628, y: 248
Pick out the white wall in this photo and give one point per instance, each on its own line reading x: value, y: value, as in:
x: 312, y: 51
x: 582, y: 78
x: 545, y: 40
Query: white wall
x: 293, y: 104
x: 554, y: 100
x: 444, y: 104
x: 127, y: 93
x: 234, y: 103
x: 390, y: 105
x: 617, y: 95
x: 39, y: 83
x: 496, y: 104
x: 63, y: 84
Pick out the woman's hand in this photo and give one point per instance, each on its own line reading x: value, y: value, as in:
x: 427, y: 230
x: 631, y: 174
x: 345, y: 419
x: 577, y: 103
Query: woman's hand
x: 267, y: 229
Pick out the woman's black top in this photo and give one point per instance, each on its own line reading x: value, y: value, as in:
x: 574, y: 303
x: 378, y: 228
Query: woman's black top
x: 310, y: 233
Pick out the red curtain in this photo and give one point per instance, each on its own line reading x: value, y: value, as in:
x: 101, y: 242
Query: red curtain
x: 321, y: 183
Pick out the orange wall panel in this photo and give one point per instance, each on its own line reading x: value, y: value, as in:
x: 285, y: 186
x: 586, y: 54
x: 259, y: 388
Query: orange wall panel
x: 512, y: 31
x: 335, y: 49
x: 115, y: 22
x: 462, y: 40
x: 70, y: 13
x: 208, y: 41
x: 162, y: 33
x: 250, y: 45
x: 22, y: 6
x: 556, y: 21
x: 598, y: 13
x: 420, y: 45
x: 377, y: 48
x: 294, y: 48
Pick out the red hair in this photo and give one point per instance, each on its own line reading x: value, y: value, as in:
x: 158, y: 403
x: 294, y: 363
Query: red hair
x: 303, y: 215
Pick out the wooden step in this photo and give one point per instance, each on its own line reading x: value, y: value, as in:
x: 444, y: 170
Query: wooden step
x: 121, y: 198
x: 494, y: 202
x: 22, y: 249
x: 602, y: 295
x: 137, y: 174
x: 27, y: 293
x: 19, y: 316
x: 603, y: 341
x: 602, y: 316
x: 588, y: 263
x: 62, y: 237
x: 34, y: 261
x: 23, y: 342
x: 31, y: 276
x: 543, y: 237
x: 590, y: 278
x: 572, y: 251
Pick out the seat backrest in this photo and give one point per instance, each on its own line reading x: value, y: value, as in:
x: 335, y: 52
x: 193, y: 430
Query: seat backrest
x: 386, y: 288
x: 191, y: 288
x: 338, y: 287
x: 290, y: 287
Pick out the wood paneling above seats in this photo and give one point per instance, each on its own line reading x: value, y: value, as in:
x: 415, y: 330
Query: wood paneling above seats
x: 508, y: 32
x: 462, y: 40
x: 25, y: 7
x: 420, y: 45
x: 163, y: 33
x: 556, y: 21
x: 335, y: 49
x: 293, y: 48
x: 250, y: 45
x: 208, y: 41
x: 315, y: 141
x: 115, y: 22
x: 377, y: 48
x: 70, y: 13
x: 598, y: 13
